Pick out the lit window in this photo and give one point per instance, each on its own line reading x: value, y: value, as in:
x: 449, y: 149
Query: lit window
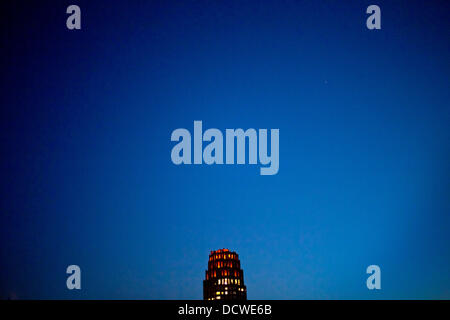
x: 219, y: 281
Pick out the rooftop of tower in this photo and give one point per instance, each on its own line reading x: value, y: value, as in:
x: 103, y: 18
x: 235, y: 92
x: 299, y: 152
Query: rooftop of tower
x: 223, y: 254
x: 220, y: 251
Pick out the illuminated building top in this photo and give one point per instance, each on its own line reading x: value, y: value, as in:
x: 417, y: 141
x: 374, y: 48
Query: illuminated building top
x: 224, y: 279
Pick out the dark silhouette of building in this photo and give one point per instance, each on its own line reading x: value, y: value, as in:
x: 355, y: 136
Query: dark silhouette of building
x: 224, y: 279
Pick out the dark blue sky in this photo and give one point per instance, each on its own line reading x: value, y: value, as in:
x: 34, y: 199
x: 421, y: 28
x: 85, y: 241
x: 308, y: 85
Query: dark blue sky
x: 87, y: 179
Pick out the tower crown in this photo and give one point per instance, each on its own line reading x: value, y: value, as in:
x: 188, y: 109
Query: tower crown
x: 224, y: 279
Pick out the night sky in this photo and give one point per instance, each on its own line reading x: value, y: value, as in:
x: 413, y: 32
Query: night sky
x: 86, y: 175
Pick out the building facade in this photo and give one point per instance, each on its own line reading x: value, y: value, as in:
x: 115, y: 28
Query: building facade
x: 224, y: 279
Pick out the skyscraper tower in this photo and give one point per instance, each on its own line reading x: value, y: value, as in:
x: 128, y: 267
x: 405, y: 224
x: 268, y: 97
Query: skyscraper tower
x: 224, y: 279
